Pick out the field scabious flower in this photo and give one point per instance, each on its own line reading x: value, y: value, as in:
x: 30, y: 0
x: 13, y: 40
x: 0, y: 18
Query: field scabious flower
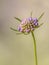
x: 28, y: 25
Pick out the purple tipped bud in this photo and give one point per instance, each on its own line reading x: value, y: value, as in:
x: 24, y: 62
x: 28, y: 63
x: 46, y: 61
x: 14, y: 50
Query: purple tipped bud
x: 27, y: 30
x: 36, y: 24
x: 30, y: 18
x: 24, y: 21
x: 19, y: 28
x: 35, y: 19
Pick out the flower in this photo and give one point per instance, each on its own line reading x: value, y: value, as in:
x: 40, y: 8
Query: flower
x: 28, y: 24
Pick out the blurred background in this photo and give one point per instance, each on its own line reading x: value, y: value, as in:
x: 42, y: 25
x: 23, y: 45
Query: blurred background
x: 19, y: 49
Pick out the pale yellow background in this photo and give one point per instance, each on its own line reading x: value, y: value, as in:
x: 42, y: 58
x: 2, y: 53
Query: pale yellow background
x: 18, y: 49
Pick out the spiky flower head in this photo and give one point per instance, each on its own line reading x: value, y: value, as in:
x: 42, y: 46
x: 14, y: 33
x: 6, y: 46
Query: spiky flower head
x: 28, y: 24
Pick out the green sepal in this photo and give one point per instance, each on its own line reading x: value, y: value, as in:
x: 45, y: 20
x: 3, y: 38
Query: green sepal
x: 17, y: 19
x: 17, y: 32
x: 40, y: 16
x: 13, y: 29
x: 25, y: 33
x: 31, y: 14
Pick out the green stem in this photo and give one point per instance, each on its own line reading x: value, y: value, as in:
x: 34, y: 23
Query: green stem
x: 35, y: 52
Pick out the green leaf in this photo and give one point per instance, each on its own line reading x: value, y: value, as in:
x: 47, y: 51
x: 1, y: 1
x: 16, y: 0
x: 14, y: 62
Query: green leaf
x: 17, y: 19
x: 41, y: 16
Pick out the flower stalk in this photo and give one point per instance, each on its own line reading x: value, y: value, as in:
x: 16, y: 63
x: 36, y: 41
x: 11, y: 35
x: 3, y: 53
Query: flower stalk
x: 35, y: 51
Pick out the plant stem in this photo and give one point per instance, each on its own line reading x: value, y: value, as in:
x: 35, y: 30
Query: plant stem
x: 35, y: 52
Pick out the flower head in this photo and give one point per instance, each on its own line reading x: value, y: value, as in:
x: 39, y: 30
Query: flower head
x: 28, y: 24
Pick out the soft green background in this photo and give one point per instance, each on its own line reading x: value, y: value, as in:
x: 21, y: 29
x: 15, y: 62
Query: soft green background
x: 18, y: 49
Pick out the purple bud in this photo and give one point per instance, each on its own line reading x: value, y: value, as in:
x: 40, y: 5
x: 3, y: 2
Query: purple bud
x: 30, y: 19
x: 36, y: 24
x: 27, y: 30
x: 20, y: 29
x: 35, y: 21
x: 23, y: 21
x: 32, y: 28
